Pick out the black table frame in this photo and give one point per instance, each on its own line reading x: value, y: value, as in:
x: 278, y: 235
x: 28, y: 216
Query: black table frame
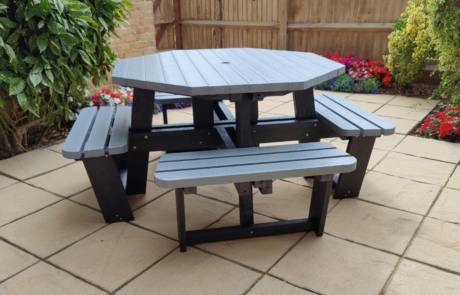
x: 215, y: 128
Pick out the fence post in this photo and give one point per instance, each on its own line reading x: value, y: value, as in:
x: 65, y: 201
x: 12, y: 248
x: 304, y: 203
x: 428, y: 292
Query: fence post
x: 283, y: 10
x: 177, y: 26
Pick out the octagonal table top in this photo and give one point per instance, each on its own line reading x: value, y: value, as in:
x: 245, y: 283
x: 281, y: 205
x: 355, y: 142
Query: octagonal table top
x: 200, y: 72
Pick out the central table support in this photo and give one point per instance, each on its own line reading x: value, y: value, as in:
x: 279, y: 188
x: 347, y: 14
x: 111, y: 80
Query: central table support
x: 141, y: 119
x: 244, y: 114
x: 304, y: 106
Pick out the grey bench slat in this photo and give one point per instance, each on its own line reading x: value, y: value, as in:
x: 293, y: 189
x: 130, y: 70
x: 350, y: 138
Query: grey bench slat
x: 250, y: 159
x: 367, y: 128
x: 75, y: 141
x: 265, y: 167
x: 387, y: 127
x: 120, y: 72
x: 167, y: 98
x: 97, y: 141
x: 118, y: 143
x: 245, y: 151
x: 335, y: 122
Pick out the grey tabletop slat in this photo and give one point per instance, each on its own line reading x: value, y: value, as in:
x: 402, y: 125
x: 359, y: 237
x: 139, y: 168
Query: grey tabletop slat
x: 120, y: 72
x: 367, y: 128
x: 118, y: 143
x: 75, y: 141
x: 245, y: 151
x: 275, y: 81
x: 191, y: 74
x: 167, y: 98
x: 250, y: 159
x: 296, y: 81
x: 335, y: 122
x: 257, y: 83
x: 97, y: 141
x: 154, y: 76
x: 278, y: 165
x: 136, y: 72
x: 208, y: 72
x: 387, y: 127
x: 237, y: 84
x: 173, y: 75
x: 335, y: 68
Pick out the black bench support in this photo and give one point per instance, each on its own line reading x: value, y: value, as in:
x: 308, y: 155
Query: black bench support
x: 142, y: 114
x: 349, y: 185
x: 109, y: 189
x: 315, y: 221
x: 246, y: 203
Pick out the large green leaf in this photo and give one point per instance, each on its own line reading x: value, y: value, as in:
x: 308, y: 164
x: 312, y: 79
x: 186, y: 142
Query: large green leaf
x: 42, y: 42
x: 3, y: 6
x: 17, y: 85
x: 45, y: 7
x: 20, y: 12
x: 13, y: 37
x: 31, y: 59
x: 22, y: 100
x: 38, y: 68
x: 59, y: 6
x: 1, y: 42
x: 33, y: 107
x: 54, y: 46
x: 12, y: 56
x: 7, y: 23
x: 69, y: 40
x: 56, y: 28
x: 2, y: 103
x: 41, y: 24
x: 85, y: 57
x: 6, y: 77
x: 50, y: 76
x: 35, y: 78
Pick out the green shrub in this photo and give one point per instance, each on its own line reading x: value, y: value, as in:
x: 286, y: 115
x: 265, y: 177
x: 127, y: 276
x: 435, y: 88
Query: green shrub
x: 50, y: 51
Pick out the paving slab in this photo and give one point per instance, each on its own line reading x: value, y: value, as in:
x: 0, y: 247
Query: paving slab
x: 155, y: 155
x: 454, y: 180
x: 416, y: 278
x: 160, y: 215
x: 373, y: 98
x: 447, y: 206
x: 415, y: 168
x: 373, y: 225
x: 399, y: 193
x: 13, y: 260
x: 437, y: 243
x: 43, y: 278
x: 328, y: 265
x: 387, y: 143
x: 286, y: 109
x: 113, y: 255
x: 402, y: 112
x: 267, y: 105
x: 194, y: 273
x: 19, y: 200
x: 369, y: 106
x: 271, y: 285
x: 88, y: 197
x: 223, y: 192
x: 56, y: 148
x: 258, y: 253
x: 283, y: 98
x: 414, y: 102
x: 403, y: 126
x: 430, y: 148
x: 33, y: 163
x: 288, y: 201
x: 6, y: 181
x: 151, y: 170
x: 64, y: 181
x: 376, y: 156
x: 53, y: 228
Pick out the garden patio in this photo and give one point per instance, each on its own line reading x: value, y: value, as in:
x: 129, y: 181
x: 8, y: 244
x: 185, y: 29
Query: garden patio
x: 401, y: 236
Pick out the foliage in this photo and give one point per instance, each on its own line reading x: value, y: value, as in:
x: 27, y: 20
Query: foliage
x: 361, y: 77
x: 445, y: 124
x: 410, y: 45
x: 50, y: 51
x: 445, y: 33
x: 428, y: 31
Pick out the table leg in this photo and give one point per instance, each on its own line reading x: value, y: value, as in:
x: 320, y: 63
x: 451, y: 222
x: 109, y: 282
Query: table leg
x: 349, y: 184
x: 243, y: 139
x: 141, y: 119
x: 304, y: 107
x: 203, y: 113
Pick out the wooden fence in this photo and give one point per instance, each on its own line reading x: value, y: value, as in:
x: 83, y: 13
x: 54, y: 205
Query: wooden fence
x: 320, y: 26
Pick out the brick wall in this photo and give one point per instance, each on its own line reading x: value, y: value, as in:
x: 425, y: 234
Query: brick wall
x: 138, y: 38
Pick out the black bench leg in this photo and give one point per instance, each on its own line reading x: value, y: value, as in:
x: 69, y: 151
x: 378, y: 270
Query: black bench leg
x: 165, y: 113
x: 109, y: 189
x: 319, y: 201
x: 180, y: 211
x: 349, y: 184
x: 246, y: 203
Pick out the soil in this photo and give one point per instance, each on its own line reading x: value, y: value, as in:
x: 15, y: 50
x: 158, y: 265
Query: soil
x: 421, y: 90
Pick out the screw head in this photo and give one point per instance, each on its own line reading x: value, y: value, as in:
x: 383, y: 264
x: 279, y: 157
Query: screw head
x: 306, y: 134
x: 254, y: 131
x: 314, y: 125
x: 201, y: 142
x: 146, y: 137
x: 134, y: 147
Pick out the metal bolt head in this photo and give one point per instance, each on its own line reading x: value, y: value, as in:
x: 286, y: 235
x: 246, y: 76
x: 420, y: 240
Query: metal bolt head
x: 254, y: 131
x: 315, y: 125
x: 201, y: 142
x: 306, y: 134
x: 146, y: 137
x: 134, y: 147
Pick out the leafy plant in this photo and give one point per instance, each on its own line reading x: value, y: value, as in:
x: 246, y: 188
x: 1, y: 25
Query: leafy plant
x: 50, y: 51
x: 410, y: 44
x: 445, y: 124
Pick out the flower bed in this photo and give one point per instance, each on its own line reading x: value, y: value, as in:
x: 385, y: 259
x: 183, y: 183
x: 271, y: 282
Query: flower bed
x: 362, y: 76
x: 443, y: 125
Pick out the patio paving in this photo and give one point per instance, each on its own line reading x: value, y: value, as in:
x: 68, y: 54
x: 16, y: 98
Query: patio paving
x: 401, y: 236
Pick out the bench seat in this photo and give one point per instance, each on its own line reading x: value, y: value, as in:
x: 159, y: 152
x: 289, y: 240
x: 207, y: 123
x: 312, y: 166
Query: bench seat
x: 248, y: 167
x: 164, y: 98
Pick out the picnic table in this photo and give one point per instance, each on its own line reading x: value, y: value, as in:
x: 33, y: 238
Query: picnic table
x: 244, y: 76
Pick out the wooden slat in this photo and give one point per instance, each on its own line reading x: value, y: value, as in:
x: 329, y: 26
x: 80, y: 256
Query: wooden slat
x: 253, y: 172
x: 97, y: 141
x: 75, y: 141
x: 118, y: 143
x: 231, y: 24
x: 374, y: 27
